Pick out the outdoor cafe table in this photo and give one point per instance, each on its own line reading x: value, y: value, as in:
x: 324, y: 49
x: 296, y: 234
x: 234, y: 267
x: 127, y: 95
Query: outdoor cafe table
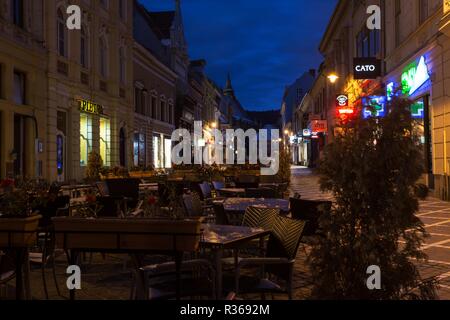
x: 232, y: 192
x: 239, y: 205
x: 218, y: 238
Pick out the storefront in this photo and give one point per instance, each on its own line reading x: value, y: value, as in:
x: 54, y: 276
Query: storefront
x: 413, y: 80
x: 95, y: 133
x: 162, y: 151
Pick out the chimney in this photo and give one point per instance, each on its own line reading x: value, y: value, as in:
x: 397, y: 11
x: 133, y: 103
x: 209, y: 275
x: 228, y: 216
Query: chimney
x: 312, y: 72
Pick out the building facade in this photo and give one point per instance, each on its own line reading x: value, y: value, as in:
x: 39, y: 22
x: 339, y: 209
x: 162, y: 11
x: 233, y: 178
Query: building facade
x: 90, y: 87
x: 413, y: 44
x: 23, y: 90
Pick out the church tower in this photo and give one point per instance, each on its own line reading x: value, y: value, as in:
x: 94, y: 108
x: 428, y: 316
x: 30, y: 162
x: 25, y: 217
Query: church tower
x: 228, y: 90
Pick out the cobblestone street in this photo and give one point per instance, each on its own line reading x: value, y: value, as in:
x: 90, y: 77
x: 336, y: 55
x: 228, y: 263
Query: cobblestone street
x: 434, y: 213
x: 109, y: 277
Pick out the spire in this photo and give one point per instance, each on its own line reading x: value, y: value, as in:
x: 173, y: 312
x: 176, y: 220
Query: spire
x: 228, y: 90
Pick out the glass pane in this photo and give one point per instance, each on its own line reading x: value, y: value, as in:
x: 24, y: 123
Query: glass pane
x: 168, y: 153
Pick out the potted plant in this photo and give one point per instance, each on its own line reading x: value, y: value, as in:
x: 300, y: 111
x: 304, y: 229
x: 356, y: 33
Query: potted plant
x: 18, y: 221
x: 94, y: 167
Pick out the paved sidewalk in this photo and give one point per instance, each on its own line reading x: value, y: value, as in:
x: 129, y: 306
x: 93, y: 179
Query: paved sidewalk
x: 434, y: 213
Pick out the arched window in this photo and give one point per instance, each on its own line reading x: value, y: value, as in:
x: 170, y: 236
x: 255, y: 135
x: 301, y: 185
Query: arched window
x: 103, y: 57
x: 84, y: 48
x: 61, y: 34
x: 122, y: 65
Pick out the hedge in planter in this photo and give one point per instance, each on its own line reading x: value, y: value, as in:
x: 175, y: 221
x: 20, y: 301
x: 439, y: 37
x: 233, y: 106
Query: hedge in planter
x: 372, y: 168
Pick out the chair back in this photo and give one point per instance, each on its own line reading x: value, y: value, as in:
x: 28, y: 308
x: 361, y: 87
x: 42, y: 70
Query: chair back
x: 205, y: 189
x: 221, y: 216
x: 102, y: 188
x: 124, y: 188
x: 260, y: 193
x: 192, y: 205
x: 310, y: 211
x: 218, y: 185
x: 285, y: 238
x: 256, y: 217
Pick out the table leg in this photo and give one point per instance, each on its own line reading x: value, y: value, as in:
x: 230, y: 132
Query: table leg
x: 218, y: 262
x: 19, y: 278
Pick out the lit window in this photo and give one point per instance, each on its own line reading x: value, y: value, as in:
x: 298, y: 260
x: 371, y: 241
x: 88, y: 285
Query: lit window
x: 105, y: 141
x: 139, y: 150
x: 157, y: 155
x: 168, y: 153
x: 85, y: 138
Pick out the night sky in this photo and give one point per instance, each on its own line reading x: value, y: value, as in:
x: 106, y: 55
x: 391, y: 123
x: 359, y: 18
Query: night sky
x: 264, y: 44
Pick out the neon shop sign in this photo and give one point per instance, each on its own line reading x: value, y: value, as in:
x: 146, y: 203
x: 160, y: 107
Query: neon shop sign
x: 414, y: 77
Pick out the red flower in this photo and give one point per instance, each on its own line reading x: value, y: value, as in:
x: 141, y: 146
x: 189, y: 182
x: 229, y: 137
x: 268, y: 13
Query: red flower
x: 6, y: 183
x: 151, y: 200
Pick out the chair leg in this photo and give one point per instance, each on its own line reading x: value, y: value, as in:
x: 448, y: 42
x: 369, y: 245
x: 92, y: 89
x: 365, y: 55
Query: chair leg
x: 54, y: 275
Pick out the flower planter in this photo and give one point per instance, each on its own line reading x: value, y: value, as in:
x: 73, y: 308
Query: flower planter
x: 127, y: 234
x: 18, y: 232
x: 141, y: 174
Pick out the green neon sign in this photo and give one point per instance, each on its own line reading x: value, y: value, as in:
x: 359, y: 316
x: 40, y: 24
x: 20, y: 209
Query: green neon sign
x: 408, y: 77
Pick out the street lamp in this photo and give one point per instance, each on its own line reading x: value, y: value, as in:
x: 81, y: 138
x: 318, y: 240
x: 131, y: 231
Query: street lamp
x: 214, y: 125
x: 332, y: 77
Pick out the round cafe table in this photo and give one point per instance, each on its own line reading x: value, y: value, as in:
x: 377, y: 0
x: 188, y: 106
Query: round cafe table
x: 239, y: 205
x: 232, y: 192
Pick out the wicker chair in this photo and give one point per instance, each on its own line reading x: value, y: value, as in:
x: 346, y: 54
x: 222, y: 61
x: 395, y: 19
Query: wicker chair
x: 279, y: 260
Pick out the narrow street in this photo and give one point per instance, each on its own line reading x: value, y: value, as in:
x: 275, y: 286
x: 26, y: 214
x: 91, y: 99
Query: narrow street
x: 434, y: 213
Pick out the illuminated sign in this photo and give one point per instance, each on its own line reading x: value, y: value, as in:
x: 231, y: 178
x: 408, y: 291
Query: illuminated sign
x: 446, y: 6
x: 417, y: 110
x: 318, y: 126
x: 389, y: 91
x: 374, y: 106
x: 306, y: 133
x: 89, y: 107
x: 414, y: 77
x: 366, y: 68
x: 342, y: 101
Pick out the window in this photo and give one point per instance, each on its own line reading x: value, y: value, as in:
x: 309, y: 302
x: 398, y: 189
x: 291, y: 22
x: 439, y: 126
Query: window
x: 19, y: 88
x: 61, y: 34
x: 105, y: 141
x: 103, y: 57
x: 122, y: 65
x: 17, y: 13
x: 83, y: 48
x: 163, y: 111
x: 137, y: 100
x: 122, y: 148
x: 167, y: 153
x: 104, y: 3
x: 139, y: 150
x: 122, y: 8
x: 423, y: 11
x: 157, y: 154
x: 368, y: 43
x: 154, y: 109
x: 85, y: 138
x: 170, y: 120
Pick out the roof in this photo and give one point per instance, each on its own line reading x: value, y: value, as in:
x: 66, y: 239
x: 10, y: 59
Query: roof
x: 335, y: 18
x: 162, y: 23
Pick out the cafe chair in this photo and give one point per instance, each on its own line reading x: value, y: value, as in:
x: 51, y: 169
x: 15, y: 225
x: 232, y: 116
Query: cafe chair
x: 194, y: 207
x: 206, y: 193
x: 197, y: 280
x: 7, y: 272
x: 45, y: 256
x: 278, y: 263
x: 310, y: 211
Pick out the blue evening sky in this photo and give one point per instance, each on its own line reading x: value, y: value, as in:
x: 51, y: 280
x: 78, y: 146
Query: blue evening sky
x: 264, y: 44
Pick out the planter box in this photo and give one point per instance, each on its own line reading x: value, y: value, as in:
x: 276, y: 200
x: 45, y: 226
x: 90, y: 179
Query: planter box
x: 127, y: 234
x: 141, y: 174
x: 18, y: 232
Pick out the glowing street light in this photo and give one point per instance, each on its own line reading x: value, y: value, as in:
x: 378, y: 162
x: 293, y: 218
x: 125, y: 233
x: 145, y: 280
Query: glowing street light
x: 332, y: 77
x: 214, y: 125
